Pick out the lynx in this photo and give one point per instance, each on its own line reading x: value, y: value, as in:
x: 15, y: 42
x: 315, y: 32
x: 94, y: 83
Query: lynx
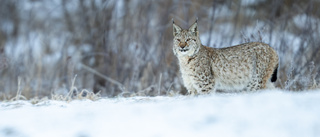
x: 245, y: 67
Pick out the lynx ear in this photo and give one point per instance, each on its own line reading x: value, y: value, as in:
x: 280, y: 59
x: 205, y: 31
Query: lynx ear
x: 176, y: 29
x: 194, y: 28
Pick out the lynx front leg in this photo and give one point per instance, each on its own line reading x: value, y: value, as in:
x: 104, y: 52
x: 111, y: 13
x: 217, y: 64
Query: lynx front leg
x: 203, y: 90
x: 206, y: 87
x: 187, y: 83
x: 192, y: 91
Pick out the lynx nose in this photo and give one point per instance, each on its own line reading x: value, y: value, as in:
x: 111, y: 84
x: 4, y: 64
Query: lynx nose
x: 182, y: 44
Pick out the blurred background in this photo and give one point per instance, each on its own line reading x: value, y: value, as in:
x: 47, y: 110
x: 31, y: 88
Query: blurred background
x: 118, y: 47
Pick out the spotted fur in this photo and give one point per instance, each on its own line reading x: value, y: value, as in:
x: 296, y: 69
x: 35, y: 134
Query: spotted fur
x: 245, y: 67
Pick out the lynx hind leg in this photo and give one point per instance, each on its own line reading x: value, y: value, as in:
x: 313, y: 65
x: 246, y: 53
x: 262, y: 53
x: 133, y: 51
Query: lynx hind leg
x: 261, y: 82
x: 254, y: 85
x: 270, y: 85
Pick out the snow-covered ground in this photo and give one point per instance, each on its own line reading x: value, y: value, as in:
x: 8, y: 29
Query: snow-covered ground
x: 264, y: 114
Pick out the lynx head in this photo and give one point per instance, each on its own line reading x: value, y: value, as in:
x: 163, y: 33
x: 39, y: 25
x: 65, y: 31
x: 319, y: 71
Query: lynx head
x: 186, y: 42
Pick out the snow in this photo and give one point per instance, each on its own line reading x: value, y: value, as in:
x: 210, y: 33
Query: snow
x: 263, y: 114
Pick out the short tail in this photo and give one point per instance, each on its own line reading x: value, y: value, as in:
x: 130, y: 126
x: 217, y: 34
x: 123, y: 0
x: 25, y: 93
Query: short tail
x: 274, y: 75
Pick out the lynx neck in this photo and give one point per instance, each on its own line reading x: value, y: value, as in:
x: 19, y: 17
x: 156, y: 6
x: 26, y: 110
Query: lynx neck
x: 185, y: 60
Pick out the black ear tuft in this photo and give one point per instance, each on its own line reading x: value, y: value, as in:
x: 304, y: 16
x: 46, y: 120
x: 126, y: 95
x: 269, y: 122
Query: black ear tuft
x: 194, y: 28
x: 176, y: 29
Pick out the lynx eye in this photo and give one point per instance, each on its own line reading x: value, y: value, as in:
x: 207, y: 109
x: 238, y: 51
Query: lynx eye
x: 188, y: 39
x: 178, y: 40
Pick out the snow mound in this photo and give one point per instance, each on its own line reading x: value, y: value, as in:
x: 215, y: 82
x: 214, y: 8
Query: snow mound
x: 263, y: 114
